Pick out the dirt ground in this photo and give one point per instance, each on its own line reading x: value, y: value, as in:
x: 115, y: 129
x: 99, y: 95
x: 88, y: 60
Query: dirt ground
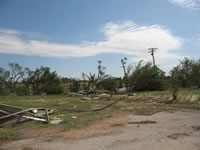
x: 178, y: 130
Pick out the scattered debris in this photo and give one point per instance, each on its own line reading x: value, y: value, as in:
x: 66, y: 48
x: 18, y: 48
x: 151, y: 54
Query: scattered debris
x: 104, y: 95
x: 122, y: 90
x: 86, y: 98
x: 56, y: 122
x: 72, y: 94
x: 10, y: 115
x: 55, y: 118
x: 131, y: 94
x: 74, y: 117
x: 99, y: 109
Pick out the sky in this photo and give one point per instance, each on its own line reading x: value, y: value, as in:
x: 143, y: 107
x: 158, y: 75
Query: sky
x: 70, y: 36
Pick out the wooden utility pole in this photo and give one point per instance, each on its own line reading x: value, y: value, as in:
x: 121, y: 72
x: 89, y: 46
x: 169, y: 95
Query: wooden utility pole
x: 151, y: 51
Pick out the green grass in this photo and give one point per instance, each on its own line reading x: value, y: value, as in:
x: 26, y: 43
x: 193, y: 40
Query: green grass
x: 54, y: 102
x: 7, y: 133
x: 136, y: 105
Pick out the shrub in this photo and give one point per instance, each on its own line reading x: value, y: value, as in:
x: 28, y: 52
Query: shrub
x: 109, y: 84
x: 74, y: 86
x: 147, y: 78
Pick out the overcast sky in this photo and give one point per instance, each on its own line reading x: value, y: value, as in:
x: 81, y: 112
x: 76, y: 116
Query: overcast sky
x: 70, y: 36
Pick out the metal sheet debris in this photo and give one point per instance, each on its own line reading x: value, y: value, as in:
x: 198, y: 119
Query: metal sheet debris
x: 10, y: 115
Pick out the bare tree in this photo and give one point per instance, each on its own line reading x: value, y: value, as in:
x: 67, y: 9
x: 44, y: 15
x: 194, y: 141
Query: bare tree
x: 101, y: 69
x: 126, y: 72
x: 93, y: 80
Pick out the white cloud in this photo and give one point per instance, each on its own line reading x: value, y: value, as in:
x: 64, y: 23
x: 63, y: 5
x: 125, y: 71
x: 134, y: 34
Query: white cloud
x: 9, y: 32
x: 191, y: 4
x: 125, y: 38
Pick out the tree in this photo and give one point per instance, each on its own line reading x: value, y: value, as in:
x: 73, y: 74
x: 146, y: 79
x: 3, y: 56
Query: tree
x: 101, y: 70
x: 74, y: 86
x: 4, y: 75
x: 42, y: 80
x: 15, y: 74
x: 109, y: 84
x: 147, y: 78
x: 93, y: 80
x: 126, y: 73
x: 174, y: 84
x: 188, y: 72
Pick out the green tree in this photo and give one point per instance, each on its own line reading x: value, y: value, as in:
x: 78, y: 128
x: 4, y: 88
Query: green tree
x: 147, y: 78
x: 16, y: 73
x: 74, y: 85
x: 42, y: 80
x: 109, y: 84
x: 4, y: 75
x: 188, y: 73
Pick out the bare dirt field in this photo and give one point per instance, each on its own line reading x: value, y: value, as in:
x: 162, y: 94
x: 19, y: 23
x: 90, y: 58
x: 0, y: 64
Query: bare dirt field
x: 179, y: 129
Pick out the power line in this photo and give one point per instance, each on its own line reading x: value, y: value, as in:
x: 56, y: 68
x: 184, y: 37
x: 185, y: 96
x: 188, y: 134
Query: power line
x: 151, y: 51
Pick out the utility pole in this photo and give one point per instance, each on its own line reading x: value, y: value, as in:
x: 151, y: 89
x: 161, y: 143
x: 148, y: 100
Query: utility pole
x: 151, y: 51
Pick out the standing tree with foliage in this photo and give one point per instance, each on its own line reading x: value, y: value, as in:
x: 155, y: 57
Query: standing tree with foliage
x: 188, y: 73
x: 74, y: 85
x: 42, y: 80
x: 147, y: 78
x: 15, y: 74
x: 109, y: 84
x: 4, y: 75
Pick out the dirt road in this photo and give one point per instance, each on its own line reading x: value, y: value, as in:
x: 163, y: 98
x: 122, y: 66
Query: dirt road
x: 178, y: 130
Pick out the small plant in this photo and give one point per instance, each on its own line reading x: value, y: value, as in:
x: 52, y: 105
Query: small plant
x: 174, y: 85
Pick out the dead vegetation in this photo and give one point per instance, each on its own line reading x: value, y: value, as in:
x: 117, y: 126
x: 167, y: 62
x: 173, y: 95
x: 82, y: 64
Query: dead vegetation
x: 142, y: 122
x: 196, y: 128
x: 177, y: 135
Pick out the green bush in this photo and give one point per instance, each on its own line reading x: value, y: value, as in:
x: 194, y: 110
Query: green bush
x: 22, y: 90
x: 147, y: 78
x: 109, y: 84
x: 74, y: 86
x: 4, y: 91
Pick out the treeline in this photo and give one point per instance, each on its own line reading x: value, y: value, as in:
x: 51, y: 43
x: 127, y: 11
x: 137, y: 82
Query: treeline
x: 19, y: 81
x: 141, y: 77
